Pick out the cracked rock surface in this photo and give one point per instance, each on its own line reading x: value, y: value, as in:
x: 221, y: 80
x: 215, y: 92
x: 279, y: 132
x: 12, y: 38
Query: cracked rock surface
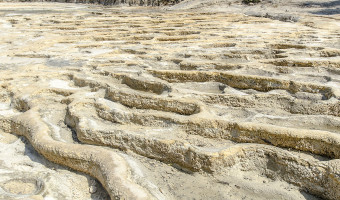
x: 138, y: 103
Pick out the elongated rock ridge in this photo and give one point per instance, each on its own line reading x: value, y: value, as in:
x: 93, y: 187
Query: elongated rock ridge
x: 139, y: 103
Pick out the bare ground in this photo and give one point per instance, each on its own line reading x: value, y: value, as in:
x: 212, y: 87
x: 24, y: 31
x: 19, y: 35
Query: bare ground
x: 181, y: 102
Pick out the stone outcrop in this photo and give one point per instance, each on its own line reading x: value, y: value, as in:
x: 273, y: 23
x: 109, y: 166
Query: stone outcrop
x: 150, y: 102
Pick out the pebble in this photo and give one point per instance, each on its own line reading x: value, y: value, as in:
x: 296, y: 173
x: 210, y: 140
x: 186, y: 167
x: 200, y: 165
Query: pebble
x: 92, y: 189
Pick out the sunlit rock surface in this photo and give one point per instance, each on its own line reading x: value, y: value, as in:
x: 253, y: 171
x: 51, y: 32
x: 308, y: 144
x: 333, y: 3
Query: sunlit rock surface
x: 154, y: 104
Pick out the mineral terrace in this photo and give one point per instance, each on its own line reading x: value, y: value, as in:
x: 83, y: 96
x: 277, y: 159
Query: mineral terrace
x: 147, y: 103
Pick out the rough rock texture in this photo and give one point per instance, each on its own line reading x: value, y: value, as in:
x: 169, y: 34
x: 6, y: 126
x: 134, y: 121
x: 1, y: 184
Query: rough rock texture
x: 167, y: 104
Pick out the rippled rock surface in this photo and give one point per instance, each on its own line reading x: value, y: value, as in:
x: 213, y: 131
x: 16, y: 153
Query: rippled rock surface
x: 167, y: 104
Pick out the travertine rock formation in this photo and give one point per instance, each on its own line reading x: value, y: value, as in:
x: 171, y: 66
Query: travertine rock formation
x: 171, y: 105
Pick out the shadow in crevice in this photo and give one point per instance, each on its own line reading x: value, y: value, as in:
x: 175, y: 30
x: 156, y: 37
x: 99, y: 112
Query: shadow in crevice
x: 321, y: 5
x: 309, y: 196
x: 335, y: 11
x: 327, y: 8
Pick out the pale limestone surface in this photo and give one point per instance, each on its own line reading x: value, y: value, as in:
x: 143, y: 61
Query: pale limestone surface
x: 167, y: 104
